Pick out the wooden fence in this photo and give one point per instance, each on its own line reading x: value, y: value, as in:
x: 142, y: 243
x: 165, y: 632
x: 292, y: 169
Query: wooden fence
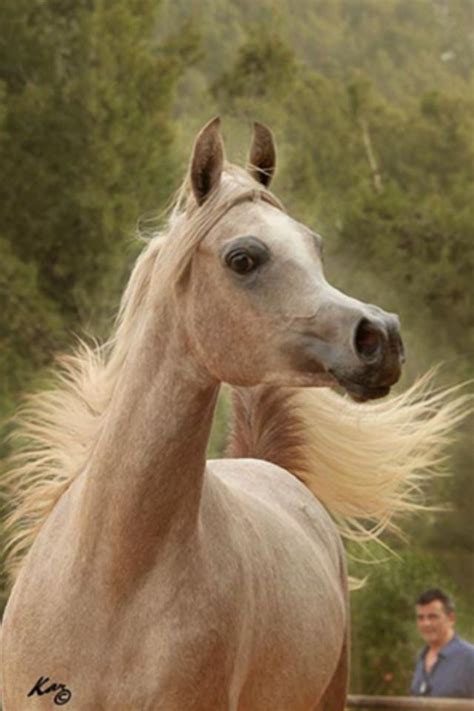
x: 407, y: 703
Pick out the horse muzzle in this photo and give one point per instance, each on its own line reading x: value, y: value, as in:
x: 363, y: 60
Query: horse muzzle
x: 377, y: 354
x: 362, y: 350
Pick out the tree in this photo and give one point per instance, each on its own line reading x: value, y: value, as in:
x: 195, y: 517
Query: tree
x: 87, y: 137
x: 86, y: 147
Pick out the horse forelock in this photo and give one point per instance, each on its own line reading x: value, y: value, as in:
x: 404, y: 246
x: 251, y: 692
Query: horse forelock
x: 189, y: 223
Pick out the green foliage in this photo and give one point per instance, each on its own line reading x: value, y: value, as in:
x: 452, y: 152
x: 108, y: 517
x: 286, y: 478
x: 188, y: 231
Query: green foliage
x: 263, y: 70
x: 86, y: 147
x: 29, y: 325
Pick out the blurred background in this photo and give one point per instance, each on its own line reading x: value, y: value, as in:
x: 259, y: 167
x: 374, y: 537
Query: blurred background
x: 371, y: 103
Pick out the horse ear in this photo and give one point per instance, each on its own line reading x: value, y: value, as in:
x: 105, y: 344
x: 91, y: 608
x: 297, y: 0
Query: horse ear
x: 207, y: 160
x: 262, y: 157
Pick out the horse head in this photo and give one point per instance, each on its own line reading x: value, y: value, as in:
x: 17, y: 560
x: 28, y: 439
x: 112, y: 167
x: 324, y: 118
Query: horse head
x: 257, y: 306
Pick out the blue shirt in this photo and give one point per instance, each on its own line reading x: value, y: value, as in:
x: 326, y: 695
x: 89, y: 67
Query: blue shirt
x: 452, y: 676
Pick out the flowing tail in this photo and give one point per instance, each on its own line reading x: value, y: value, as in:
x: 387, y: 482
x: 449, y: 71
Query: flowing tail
x: 366, y: 463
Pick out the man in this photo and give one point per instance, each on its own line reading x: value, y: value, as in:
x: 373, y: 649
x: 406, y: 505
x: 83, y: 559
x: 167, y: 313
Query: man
x: 445, y: 667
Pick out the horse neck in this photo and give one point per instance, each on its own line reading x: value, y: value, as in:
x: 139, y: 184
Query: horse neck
x: 144, y: 481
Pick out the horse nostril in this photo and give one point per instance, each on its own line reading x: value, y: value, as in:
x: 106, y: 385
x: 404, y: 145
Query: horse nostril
x: 368, y: 340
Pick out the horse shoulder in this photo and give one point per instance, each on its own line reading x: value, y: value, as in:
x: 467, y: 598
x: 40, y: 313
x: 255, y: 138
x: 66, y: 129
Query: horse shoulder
x: 255, y: 482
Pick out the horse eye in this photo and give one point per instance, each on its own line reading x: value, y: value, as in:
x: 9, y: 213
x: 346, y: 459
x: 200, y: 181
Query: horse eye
x: 245, y: 255
x: 241, y: 262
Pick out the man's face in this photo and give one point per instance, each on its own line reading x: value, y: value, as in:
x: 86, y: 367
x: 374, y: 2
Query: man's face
x: 434, y: 624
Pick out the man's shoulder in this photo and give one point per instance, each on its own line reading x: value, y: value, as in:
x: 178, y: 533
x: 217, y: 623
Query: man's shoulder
x: 467, y: 646
x: 462, y: 647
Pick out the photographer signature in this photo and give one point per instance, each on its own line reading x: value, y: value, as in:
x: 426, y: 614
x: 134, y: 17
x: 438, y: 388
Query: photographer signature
x: 62, y: 696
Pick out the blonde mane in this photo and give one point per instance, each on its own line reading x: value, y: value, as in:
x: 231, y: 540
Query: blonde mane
x: 366, y: 462
x: 55, y: 431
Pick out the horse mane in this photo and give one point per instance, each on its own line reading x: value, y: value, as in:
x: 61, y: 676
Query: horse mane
x: 54, y: 431
x: 366, y: 462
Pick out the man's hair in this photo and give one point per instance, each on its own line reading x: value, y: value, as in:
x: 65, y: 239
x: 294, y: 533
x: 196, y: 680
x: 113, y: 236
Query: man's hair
x: 436, y: 594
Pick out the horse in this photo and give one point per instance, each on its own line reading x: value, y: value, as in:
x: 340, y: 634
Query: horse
x: 147, y: 578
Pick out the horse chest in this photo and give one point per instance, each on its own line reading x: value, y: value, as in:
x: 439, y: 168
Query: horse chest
x: 152, y: 657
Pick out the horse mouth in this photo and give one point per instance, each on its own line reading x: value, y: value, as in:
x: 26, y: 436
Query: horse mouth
x: 361, y: 392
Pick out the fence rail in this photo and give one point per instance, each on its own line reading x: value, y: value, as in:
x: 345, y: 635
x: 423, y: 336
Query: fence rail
x: 407, y: 703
